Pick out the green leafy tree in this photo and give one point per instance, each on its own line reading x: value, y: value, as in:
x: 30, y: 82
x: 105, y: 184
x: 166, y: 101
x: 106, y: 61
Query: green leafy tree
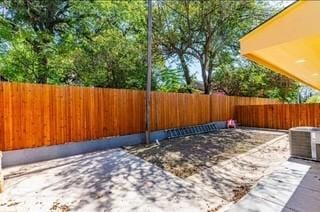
x: 200, y: 31
x: 103, y: 43
x: 249, y: 79
x: 116, y: 56
x: 169, y: 80
x: 208, y: 33
x: 92, y: 43
x: 35, y: 26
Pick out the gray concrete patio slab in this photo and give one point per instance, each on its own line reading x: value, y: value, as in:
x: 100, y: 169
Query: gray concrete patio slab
x: 114, y: 180
x: 293, y: 186
x: 254, y: 204
x: 110, y: 180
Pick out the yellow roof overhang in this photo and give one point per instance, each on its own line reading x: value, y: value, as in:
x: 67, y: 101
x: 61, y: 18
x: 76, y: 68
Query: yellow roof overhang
x: 288, y: 43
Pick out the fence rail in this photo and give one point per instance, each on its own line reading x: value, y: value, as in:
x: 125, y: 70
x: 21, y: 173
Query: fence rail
x: 279, y: 116
x: 33, y: 115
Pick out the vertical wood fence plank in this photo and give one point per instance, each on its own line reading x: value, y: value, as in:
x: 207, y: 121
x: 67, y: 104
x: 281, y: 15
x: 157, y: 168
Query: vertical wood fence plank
x: 2, y: 119
x: 42, y: 115
x: 279, y: 116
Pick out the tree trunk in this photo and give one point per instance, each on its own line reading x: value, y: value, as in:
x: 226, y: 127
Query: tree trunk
x: 209, y: 78
x: 185, y: 69
x: 206, y: 75
x: 186, y: 72
x: 204, y: 79
x: 42, y: 77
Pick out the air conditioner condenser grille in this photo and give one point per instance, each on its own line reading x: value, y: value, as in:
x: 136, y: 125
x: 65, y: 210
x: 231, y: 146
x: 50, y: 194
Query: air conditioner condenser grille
x: 305, y: 142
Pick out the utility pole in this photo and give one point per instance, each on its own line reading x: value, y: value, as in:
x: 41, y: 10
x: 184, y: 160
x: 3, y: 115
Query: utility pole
x: 148, y: 87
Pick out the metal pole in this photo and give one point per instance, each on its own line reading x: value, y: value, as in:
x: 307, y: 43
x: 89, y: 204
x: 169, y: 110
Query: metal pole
x: 148, y: 88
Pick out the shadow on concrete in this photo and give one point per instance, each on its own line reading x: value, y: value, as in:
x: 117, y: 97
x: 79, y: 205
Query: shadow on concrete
x: 114, y: 180
x: 306, y: 196
x: 104, y: 181
x: 293, y: 186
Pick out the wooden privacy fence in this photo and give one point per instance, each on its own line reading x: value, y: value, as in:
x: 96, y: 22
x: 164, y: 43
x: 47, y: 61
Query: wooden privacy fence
x: 279, y: 116
x: 33, y: 115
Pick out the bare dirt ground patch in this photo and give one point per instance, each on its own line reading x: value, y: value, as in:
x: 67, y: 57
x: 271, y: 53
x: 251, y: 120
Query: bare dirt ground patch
x: 189, y: 155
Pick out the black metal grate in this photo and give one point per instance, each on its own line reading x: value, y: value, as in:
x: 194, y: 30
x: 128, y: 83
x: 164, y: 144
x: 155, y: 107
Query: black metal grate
x: 185, y: 131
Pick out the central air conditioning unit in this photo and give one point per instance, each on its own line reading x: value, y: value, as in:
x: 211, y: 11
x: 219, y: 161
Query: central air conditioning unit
x: 305, y: 142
